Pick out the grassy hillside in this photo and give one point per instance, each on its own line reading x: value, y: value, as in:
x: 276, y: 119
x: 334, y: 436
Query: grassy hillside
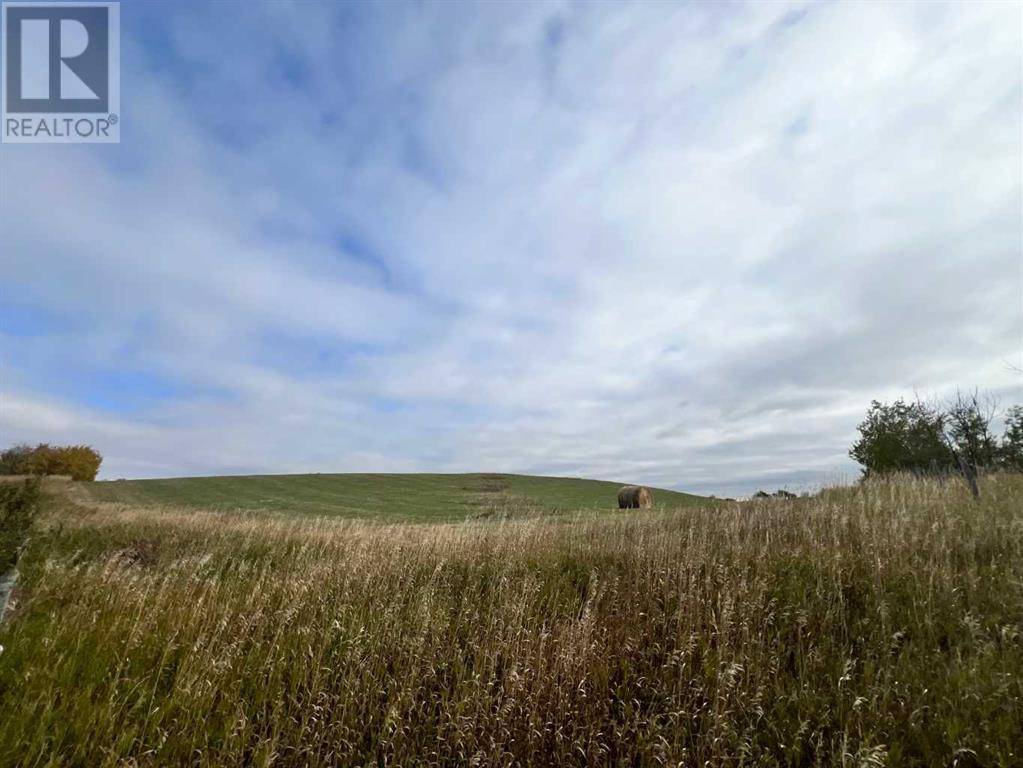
x: 869, y: 626
x: 390, y: 497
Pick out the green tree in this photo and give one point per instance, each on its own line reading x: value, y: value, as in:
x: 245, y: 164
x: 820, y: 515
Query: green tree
x: 968, y: 428
x: 1011, y: 448
x: 902, y: 437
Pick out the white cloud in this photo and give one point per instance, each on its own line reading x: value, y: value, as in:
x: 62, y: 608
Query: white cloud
x: 685, y: 245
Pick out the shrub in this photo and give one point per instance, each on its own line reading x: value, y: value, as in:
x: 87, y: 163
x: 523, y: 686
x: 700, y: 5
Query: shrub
x: 80, y: 461
x: 13, y: 460
x: 18, y: 503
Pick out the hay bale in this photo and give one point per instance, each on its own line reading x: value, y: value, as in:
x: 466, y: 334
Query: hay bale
x: 635, y: 497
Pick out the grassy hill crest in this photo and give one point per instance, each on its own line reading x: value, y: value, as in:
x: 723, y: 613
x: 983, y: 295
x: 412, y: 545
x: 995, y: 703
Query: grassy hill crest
x: 385, y: 497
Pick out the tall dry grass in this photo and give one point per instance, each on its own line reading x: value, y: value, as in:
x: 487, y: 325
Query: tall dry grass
x: 879, y: 625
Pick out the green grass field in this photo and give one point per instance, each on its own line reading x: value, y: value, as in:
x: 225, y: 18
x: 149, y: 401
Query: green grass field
x: 386, y: 497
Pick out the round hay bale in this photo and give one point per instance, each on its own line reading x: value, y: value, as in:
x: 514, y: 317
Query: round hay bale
x: 635, y: 497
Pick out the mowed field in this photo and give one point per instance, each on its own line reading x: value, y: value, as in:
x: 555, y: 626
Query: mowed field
x: 876, y: 625
x: 385, y: 497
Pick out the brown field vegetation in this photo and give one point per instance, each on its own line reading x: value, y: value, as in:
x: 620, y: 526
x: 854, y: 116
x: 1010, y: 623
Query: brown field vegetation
x: 875, y: 625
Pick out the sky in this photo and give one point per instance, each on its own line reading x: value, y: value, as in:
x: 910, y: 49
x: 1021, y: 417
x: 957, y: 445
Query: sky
x: 679, y: 244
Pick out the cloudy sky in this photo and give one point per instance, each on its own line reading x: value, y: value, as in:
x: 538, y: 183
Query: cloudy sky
x: 683, y: 244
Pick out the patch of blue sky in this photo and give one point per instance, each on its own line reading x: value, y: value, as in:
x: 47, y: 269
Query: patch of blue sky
x: 359, y: 249
x: 308, y: 355
x: 125, y: 391
x: 791, y: 18
x: 388, y: 405
x: 291, y: 68
x: 152, y: 26
x: 799, y: 126
x: 417, y: 160
x: 30, y: 320
x: 114, y: 391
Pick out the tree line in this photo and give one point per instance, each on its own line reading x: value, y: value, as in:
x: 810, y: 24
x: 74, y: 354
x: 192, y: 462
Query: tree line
x: 927, y: 438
